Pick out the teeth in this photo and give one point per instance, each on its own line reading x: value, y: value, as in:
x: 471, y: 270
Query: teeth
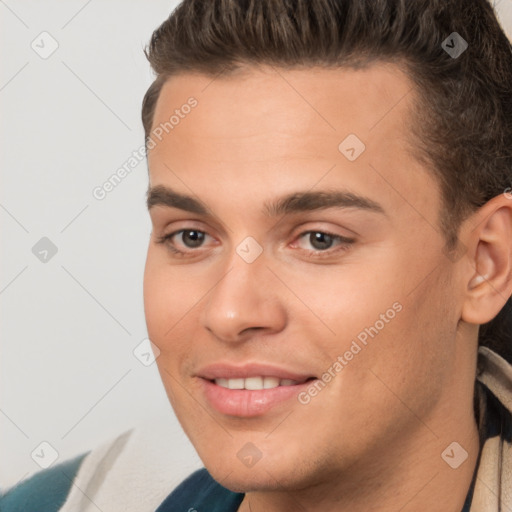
x: 236, y: 383
x: 222, y: 383
x: 270, y: 382
x: 254, y: 383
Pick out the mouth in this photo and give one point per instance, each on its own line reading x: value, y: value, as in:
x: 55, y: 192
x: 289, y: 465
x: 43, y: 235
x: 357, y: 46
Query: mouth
x: 257, y: 383
x: 252, y: 390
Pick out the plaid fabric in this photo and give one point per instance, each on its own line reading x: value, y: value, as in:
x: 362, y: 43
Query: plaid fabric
x: 492, y: 484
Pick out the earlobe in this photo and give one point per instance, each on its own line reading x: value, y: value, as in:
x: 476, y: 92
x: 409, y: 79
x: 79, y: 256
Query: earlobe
x: 490, y: 277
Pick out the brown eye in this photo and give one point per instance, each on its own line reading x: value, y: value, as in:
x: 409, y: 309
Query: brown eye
x: 193, y: 235
x: 190, y: 239
x: 322, y: 242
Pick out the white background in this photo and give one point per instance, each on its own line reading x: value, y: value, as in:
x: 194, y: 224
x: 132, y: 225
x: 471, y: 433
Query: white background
x: 68, y: 375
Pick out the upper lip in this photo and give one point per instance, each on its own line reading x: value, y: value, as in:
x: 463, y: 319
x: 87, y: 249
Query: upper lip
x: 232, y: 371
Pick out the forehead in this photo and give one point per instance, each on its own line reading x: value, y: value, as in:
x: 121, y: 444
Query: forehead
x: 282, y: 124
x: 326, y: 99
x: 317, y: 104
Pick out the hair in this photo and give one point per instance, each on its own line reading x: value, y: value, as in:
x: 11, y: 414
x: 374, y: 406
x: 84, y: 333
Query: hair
x: 462, y: 121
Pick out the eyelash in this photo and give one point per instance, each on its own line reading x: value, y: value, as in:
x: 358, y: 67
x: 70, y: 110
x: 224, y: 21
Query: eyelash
x: 344, y: 243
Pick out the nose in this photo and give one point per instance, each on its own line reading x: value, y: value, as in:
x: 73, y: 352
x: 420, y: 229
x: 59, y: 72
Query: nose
x: 244, y: 300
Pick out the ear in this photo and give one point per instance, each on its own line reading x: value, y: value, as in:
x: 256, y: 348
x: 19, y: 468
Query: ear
x: 488, y: 279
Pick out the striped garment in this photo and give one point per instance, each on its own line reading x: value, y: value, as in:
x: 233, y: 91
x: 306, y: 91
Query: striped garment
x: 130, y: 472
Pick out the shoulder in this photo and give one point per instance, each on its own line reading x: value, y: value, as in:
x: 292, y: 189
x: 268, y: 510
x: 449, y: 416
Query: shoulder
x: 49, y: 490
x: 45, y: 491
x: 133, y: 471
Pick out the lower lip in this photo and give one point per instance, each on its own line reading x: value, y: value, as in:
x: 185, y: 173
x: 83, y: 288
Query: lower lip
x: 248, y: 403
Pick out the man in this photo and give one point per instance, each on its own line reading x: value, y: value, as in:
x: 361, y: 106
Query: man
x: 330, y: 268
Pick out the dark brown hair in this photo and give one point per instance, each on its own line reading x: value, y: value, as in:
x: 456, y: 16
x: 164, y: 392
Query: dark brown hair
x: 462, y: 123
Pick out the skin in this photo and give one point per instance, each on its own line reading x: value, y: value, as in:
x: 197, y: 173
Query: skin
x: 372, y: 438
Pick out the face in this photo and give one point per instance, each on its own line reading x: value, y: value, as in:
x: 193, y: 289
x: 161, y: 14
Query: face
x: 301, y: 258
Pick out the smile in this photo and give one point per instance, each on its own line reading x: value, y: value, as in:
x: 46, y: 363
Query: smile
x: 255, y: 383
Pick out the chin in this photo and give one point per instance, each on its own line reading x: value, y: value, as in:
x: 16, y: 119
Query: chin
x: 265, y: 475
x: 250, y: 480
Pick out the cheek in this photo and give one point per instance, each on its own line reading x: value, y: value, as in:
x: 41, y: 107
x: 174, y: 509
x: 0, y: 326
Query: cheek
x: 157, y: 300
x: 351, y: 301
x: 413, y: 356
x: 165, y: 307
x: 170, y: 305
x: 168, y: 297
x: 401, y: 323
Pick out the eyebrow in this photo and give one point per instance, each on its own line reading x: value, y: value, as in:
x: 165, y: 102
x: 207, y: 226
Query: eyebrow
x: 161, y: 195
